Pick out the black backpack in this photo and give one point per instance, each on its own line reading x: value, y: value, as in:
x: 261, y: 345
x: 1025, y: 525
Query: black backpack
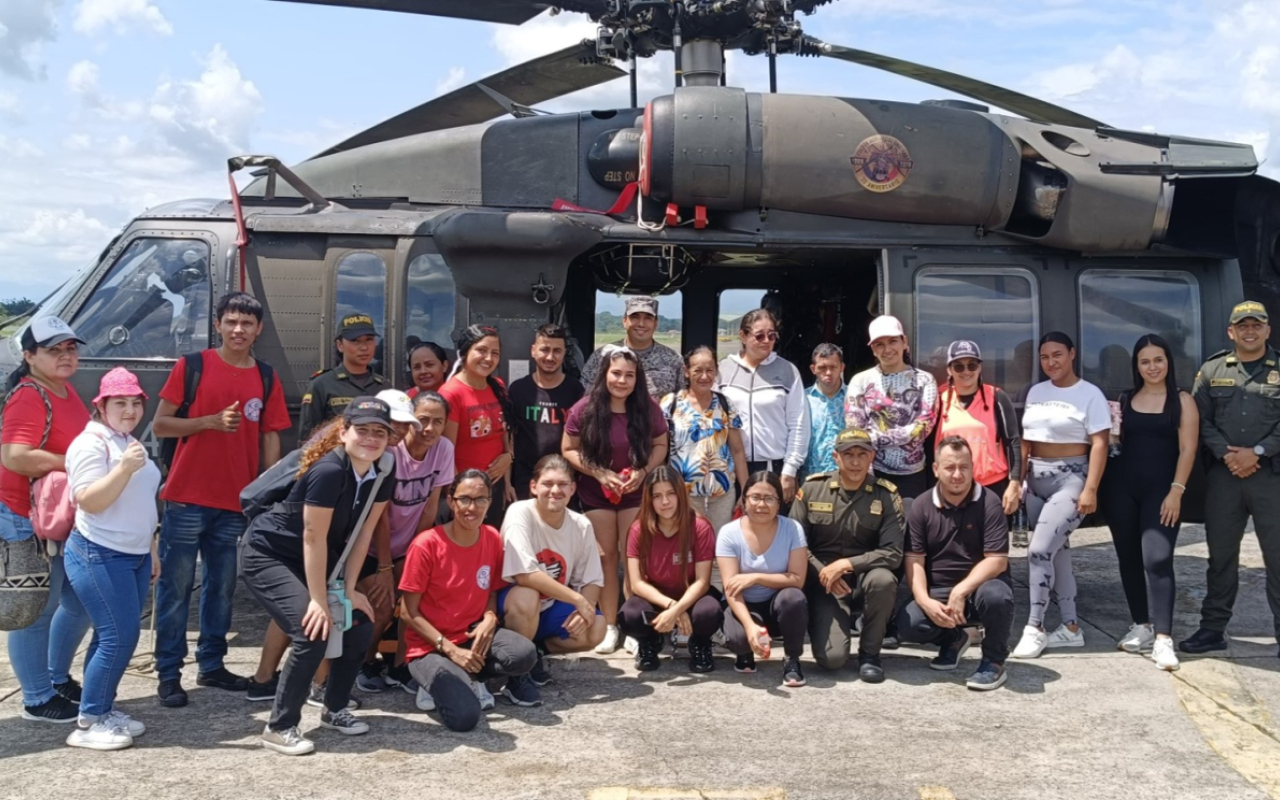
x: 191, y: 381
x: 272, y: 486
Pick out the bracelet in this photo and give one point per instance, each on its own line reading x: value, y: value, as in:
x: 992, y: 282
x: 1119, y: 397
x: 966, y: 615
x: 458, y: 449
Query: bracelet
x: 1179, y: 485
x: 386, y: 567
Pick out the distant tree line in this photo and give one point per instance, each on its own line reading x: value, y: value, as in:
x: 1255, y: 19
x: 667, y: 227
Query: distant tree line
x: 607, y: 322
x: 13, y: 308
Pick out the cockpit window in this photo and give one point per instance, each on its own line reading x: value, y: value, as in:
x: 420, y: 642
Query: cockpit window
x: 153, y: 303
x: 360, y: 287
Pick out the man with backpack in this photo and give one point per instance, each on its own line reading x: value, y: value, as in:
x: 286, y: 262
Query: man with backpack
x: 221, y: 406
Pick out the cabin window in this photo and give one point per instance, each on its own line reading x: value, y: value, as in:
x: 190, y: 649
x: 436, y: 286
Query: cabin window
x: 360, y: 287
x: 998, y: 308
x: 430, y: 302
x: 153, y: 303
x: 1119, y: 306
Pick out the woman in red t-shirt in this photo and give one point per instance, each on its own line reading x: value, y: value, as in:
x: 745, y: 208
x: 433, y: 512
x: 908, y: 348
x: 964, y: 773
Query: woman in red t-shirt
x: 614, y: 436
x: 478, y: 410
x: 453, y: 643
x: 41, y: 417
x: 669, y: 555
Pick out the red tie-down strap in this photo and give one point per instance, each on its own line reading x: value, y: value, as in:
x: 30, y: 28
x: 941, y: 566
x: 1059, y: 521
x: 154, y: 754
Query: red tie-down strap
x: 620, y: 205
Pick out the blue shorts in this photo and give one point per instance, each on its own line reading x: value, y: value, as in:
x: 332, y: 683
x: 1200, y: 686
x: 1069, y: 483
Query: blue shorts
x: 550, y: 621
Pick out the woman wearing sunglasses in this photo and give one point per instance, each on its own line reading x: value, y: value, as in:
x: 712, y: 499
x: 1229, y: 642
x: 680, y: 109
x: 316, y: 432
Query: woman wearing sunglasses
x: 769, y: 396
x: 984, y: 416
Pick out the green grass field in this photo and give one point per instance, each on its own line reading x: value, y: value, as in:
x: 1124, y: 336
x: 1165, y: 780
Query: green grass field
x: 662, y: 338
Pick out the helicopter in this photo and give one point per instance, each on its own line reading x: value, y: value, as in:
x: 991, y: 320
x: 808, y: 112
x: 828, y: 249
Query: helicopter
x: 477, y: 207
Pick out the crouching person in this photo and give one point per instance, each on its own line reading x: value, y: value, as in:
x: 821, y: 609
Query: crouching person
x: 551, y: 556
x: 957, y: 558
x: 452, y: 641
x: 301, y: 545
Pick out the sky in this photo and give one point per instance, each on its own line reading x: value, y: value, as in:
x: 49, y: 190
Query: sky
x: 108, y: 107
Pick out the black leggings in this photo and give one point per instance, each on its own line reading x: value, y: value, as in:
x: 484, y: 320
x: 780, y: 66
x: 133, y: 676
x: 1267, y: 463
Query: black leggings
x: 1144, y: 547
x: 786, y: 614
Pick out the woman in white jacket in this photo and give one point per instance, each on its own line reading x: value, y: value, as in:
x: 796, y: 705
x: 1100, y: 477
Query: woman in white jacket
x: 768, y: 395
x: 110, y: 557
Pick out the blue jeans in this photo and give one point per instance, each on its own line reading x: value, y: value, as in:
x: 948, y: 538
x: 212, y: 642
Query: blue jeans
x: 112, y: 586
x: 185, y: 531
x: 41, y: 653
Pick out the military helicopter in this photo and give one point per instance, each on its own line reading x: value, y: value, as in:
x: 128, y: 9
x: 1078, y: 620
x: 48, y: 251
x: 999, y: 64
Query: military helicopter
x: 477, y: 207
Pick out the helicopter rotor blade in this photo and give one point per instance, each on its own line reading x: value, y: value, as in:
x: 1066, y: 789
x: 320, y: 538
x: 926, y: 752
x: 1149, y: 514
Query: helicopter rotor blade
x: 528, y: 84
x: 509, y: 12
x: 1032, y: 108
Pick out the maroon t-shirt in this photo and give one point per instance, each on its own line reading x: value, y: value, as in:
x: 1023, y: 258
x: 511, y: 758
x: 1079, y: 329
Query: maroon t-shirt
x: 589, y: 489
x: 663, y: 567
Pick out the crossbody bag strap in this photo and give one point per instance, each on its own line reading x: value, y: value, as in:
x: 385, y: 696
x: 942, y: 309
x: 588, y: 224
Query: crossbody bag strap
x: 385, y: 465
x: 48, y: 423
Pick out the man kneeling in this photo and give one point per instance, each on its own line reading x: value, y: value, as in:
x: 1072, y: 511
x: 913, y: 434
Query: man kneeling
x: 957, y: 558
x: 552, y: 558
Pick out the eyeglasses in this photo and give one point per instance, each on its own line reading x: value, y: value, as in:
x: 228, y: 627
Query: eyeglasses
x: 762, y: 337
x: 762, y: 499
x: 967, y: 366
x: 468, y: 502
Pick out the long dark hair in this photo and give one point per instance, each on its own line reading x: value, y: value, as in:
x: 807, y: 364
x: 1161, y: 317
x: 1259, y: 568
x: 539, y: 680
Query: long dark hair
x: 597, y: 416
x: 1173, y: 400
x: 467, y: 340
x: 649, y: 520
x: 763, y: 476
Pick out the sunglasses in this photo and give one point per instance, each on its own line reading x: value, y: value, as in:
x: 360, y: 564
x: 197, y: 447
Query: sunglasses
x: 771, y: 336
x: 967, y: 366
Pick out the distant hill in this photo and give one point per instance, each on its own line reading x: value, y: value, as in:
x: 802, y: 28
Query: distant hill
x: 607, y: 322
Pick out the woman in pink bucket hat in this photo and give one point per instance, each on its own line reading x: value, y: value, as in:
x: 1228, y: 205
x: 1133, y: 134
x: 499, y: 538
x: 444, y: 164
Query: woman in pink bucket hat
x: 110, y: 556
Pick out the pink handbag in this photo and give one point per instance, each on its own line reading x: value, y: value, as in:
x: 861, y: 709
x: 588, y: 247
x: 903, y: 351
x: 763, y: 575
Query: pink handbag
x: 53, y: 514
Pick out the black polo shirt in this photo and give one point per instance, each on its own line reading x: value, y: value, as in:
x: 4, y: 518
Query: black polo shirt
x: 953, y: 539
x: 330, y: 483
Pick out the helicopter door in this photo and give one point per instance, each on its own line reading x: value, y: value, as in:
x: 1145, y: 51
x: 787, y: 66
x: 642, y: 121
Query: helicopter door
x: 358, y: 270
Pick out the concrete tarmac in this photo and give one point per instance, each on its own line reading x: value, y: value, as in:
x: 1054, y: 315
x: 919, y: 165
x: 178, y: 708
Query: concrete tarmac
x: 1080, y: 725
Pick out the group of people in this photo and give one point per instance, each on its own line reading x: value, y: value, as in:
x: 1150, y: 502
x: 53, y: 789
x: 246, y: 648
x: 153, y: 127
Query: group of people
x: 446, y: 540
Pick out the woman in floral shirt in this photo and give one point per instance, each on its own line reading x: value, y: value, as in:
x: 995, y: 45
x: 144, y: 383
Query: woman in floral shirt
x: 706, y: 443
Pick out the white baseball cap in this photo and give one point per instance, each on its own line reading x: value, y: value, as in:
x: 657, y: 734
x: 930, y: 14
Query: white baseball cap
x: 883, y: 327
x: 47, y: 331
x: 401, y: 406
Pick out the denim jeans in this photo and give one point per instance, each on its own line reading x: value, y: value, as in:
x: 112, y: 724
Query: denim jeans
x: 185, y: 531
x: 41, y: 653
x: 112, y: 587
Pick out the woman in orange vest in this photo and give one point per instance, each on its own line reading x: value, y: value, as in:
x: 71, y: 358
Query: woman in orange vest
x: 985, y: 417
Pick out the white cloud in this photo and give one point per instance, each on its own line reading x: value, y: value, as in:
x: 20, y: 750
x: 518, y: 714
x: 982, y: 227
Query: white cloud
x: 91, y: 16
x: 82, y: 80
x: 18, y: 148
x: 541, y: 35
x: 77, y: 142
x: 10, y: 107
x: 25, y: 25
x: 455, y: 77
x: 211, y: 116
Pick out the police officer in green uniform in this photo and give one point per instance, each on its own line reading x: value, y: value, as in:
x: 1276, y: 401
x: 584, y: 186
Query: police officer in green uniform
x: 332, y: 389
x: 854, y: 525
x: 1238, y: 394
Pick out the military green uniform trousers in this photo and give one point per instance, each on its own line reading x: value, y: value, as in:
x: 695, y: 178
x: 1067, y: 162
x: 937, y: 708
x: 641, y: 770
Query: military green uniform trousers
x: 831, y: 618
x: 1231, y: 501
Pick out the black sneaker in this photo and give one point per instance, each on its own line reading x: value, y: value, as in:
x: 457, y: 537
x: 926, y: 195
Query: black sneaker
x: 171, y: 693
x: 890, y: 641
x: 57, y: 709
x: 522, y: 691
x: 870, y: 670
x: 792, y: 675
x: 70, y: 690
x: 745, y: 664
x: 541, y: 672
x: 700, y: 658
x: 1203, y: 641
x: 261, y: 692
x: 315, y: 698
x: 400, y: 676
x: 647, y: 653
x: 222, y: 678
x: 987, y: 676
x: 950, y: 653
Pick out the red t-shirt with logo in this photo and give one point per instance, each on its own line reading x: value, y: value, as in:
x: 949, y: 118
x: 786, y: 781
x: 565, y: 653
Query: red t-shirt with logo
x: 481, y: 428
x: 663, y: 568
x: 23, y: 423
x: 455, y: 583
x: 211, y: 468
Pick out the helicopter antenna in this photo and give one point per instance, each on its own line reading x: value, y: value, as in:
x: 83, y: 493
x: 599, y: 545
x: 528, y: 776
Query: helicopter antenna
x: 677, y: 46
x: 635, y: 68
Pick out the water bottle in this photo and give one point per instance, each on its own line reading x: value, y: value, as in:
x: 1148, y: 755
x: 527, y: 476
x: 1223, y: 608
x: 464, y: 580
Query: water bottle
x: 766, y: 643
x: 1019, y: 529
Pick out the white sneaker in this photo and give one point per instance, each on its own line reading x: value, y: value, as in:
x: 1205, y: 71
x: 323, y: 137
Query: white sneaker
x: 101, y: 735
x: 630, y: 645
x: 424, y: 701
x: 1032, y: 643
x: 1164, y: 656
x: 1063, y: 637
x: 482, y: 694
x: 290, y: 741
x: 1139, y: 639
x: 612, y: 638
x: 123, y: 720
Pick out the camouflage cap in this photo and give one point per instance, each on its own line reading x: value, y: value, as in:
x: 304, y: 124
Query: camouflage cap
x: 853, y: 437
x: 1249, y: 308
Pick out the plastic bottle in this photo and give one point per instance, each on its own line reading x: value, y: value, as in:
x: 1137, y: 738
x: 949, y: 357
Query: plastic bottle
x: 1019, y: 528
x: 766, y: 643
x: 610, y: 494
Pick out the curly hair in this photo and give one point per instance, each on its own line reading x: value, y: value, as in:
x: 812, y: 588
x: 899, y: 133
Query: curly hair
x: 324, y: 439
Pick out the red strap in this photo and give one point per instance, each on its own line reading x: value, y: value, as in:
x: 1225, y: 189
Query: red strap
x: 620, y: 205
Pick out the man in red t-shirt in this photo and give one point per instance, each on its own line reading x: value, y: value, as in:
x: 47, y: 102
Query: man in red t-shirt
x: 219, y: 439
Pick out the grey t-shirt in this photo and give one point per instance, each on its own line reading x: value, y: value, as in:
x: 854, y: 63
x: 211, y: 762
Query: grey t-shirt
x: 730, y: 544
x: 663, y: 369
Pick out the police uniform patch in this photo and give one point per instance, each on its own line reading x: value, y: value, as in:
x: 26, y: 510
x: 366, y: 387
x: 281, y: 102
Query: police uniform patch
x: 890, y: 485
x: 799, y: 495
x: 1222, y: 382
x: 877, y: 508
x: 306, y: 399
x: 822, y: 507
x: 1273, y: 378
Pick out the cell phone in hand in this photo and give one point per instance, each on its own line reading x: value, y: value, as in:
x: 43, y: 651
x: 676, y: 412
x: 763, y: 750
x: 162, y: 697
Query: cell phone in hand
x: 648, y: 617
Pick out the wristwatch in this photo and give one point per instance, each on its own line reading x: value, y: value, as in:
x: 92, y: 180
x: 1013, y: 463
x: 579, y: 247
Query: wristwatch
x: 1258, y: 451
x: 440, y: 643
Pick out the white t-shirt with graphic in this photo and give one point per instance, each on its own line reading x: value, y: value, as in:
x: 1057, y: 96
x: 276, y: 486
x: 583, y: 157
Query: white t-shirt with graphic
x: 1057, y: 415
x: 568, y: 554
